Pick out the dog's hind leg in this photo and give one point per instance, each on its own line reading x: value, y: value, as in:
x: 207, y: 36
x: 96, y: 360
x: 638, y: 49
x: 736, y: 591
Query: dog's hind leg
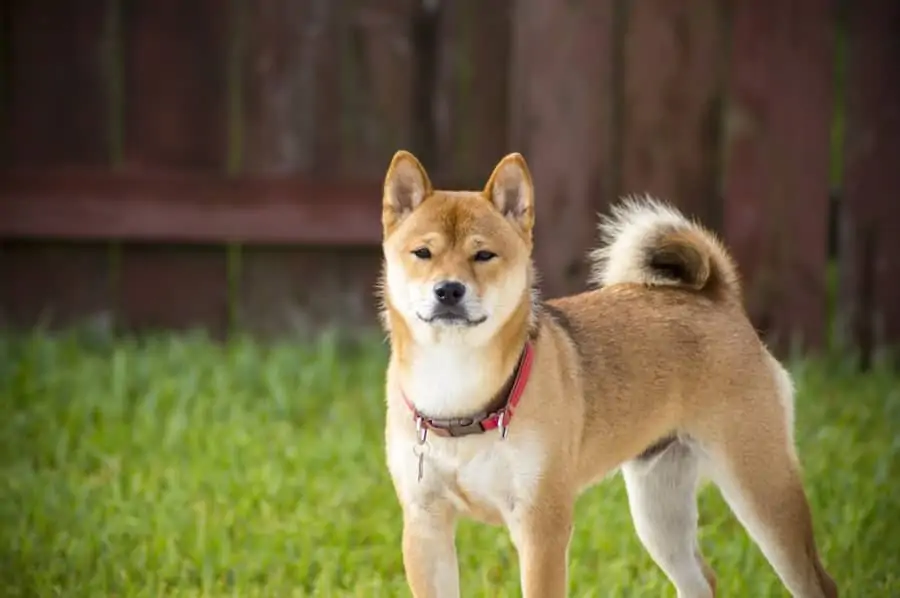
x: 662, y: 496
x: 764, y: 490
x: 760, y: 480
x: 754, y: 463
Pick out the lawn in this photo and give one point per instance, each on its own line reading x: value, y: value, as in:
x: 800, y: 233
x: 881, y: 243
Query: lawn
x: 171, y: 466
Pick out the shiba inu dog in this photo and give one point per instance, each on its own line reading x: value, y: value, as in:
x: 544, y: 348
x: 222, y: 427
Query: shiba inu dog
x: 503, y: 407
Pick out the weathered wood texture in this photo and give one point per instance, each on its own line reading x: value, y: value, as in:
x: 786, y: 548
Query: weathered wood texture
x: 176, y: 116
x: 328, y: 94
x: 376, y: 67
x: 561, y: 120
x: 55, y: 284
x: 188, y: 209
x: 176, y: 87
x: 292, y: 88
x: 776, y: 172
x: 673, y: 70
x: 57, y: 98
x: 472, y: 103
x: 303, y: 290
x: 870, y: 247
x: 55, y: 114
x: 167, y: 287
x: 327, y: 87
x: 176, y: 128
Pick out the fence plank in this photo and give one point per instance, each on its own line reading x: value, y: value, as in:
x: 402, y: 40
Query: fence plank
x: 58, y: 77
x: 176, y: 66
x: 376, y: 68
x: 471, y: 115
x: 560, y: 106
x: 305, y: 290
x: 54, y: 283
x: 776, y: 179
x: 55, y: 114
x: 674, y: 64
x: 870, y: 247
x: 328, y: 88
x: 167, y: 287
x: 291, y: 87
x: 176, y: 118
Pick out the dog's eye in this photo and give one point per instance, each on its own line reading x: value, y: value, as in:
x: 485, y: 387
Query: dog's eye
x: 484, y: 256
x: 423, y: 253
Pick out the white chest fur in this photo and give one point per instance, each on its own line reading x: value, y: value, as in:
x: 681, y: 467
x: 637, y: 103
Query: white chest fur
x: 482, y: 476
x: 448, y: 381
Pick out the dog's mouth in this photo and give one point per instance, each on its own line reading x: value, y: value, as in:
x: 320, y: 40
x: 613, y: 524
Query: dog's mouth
x: 451, y: 316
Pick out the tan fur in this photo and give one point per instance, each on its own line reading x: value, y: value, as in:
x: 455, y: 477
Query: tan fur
x: 662, y: 350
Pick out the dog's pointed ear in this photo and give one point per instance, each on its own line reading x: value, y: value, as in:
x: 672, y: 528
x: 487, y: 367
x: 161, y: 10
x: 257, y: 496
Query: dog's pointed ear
x: 406, y: 186
x: 511, y: 191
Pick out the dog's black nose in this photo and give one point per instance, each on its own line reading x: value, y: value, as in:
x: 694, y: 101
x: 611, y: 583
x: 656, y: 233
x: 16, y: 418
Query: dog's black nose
x: 449, y: 292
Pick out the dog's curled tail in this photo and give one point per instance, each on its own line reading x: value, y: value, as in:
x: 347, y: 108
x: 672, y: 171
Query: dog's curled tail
x: 648, y: 241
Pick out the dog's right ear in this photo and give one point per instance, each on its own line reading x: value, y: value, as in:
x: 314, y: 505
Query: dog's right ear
x: 406, y: 185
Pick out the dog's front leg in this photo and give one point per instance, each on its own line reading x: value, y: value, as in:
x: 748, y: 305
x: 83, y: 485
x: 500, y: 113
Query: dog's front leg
x: 429, y: 552
x: 541, y: 536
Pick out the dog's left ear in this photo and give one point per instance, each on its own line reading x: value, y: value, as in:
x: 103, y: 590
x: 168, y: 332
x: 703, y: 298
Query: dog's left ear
x: 511, y: 191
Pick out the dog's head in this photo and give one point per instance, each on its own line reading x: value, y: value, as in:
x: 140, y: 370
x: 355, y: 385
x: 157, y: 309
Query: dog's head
x: 457, y: 264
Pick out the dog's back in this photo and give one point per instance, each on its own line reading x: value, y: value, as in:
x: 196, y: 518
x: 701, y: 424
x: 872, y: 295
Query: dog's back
x: 665, y: 337
x: 676, y: 380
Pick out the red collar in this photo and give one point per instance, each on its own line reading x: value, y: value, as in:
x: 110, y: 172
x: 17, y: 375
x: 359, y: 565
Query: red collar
x: 492, y: 418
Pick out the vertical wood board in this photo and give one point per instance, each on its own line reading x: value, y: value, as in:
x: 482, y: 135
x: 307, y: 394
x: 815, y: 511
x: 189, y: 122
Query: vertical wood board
x: 176, y: 87
x: 560, y: 107
x: 777, y: 159
x: 674, y: 63
x: 56, y: 76
x: 54, y: 283
x: 176, y: 118
x: 870, y: 246
x: 57, y: 111
x: 376, y: 61
x: 472, y: 109
x: 306, y: 290
x: 167, y: 287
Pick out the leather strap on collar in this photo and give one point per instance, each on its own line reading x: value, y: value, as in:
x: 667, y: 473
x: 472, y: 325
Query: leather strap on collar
x: 496, y: 416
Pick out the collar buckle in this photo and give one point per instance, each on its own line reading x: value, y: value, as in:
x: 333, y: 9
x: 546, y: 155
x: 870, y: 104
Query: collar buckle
x: 421, y: 430
x: 503, y: 424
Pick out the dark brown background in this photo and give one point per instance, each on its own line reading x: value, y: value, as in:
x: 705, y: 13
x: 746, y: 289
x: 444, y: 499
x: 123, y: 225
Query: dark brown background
x: 170, y: 164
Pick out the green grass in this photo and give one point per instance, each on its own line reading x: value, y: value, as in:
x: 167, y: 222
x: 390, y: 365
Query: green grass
x: 174, y: 467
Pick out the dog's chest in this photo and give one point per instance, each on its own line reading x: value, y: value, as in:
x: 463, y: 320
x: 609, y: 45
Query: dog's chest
x: 487, y: 481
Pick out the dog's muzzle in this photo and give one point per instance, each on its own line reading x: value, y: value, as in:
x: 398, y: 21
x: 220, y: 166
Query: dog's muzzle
x: 454, y: 315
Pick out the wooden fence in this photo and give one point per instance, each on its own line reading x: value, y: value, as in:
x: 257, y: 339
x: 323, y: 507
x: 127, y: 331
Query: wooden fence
x: 181, y: 163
